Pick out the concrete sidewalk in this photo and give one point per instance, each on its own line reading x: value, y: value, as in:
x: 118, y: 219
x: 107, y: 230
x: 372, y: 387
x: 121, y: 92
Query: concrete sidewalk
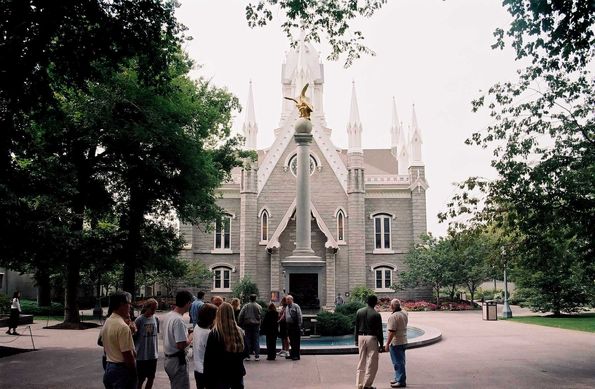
x: 472, y: 354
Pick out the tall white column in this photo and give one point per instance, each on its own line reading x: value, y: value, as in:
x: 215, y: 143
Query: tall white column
x: 302, y: 212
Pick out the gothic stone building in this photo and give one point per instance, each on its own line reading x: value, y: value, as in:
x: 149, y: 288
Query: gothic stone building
x: 368, y: 206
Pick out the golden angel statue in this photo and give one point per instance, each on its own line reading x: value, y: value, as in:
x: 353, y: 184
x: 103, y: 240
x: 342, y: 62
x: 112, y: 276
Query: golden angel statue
x: 302, y: 103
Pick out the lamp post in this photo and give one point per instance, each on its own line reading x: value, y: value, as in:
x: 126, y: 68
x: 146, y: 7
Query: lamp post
x: 506, y: 311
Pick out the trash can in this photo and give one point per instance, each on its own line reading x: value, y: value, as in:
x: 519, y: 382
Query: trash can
x: 489, y: 310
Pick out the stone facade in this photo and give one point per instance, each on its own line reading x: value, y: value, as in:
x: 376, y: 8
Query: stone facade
x: 365, y: 216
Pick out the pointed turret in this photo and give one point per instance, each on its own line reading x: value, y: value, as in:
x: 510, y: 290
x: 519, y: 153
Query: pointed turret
x: 250, y: 128
x: 403, y: 153
x: 395, y: 130
x: 416, y: 140
x: 354, y: 127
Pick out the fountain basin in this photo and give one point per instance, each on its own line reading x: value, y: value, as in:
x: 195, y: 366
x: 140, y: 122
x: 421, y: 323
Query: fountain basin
x: 418, y: 336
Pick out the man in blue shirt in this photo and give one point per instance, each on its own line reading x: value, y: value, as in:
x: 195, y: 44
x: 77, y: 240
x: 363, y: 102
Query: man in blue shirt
x: 195, y: 307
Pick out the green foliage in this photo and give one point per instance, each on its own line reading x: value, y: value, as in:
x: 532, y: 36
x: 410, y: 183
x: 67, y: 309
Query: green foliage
x: 243, y: 289
x: 334, y: 324
x: 433, y: 262
x: 349, y: 309
x: 580, y: 322
x: 543, y: 140
x: 552, y: 277
x: 197, y: 274
x: 263, y: 304
x: 4, y: 303
x: 319, y: 17
x: 30, y: 307
x: 360, y: 294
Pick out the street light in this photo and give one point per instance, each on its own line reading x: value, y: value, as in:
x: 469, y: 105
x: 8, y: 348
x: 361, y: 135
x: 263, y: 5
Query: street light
x: 506, y: 311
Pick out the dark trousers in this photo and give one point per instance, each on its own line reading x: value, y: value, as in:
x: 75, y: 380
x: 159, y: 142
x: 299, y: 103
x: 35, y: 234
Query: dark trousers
x: 252, y: 339
x: 118, y: 376
x: 294, y: 333
x: 201, y: 381
x: 13, y: 321
x: 271, y: 346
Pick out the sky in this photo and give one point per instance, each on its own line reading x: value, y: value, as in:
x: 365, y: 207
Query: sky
x: 435, y: 54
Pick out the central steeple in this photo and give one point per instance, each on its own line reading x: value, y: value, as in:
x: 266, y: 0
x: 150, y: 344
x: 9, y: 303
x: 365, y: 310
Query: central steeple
x: 302, y: 66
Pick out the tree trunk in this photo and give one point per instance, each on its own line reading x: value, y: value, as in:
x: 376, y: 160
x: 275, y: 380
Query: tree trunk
x: 71, y: 309
x: 44, y: 289
x: 133, y: 221
x: 73, y: 267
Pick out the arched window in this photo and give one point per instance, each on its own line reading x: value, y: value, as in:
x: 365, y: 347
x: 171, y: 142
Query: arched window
x: 382, y: 232
x: 383, y: 279
x: 340, y: 226
x: 223, y: 233
x: 221, y: 279
x: 264, y: 226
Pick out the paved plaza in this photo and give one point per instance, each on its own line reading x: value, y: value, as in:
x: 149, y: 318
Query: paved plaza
x: 472, y: 354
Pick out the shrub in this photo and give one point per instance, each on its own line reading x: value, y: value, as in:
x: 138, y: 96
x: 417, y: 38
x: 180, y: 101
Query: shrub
x: 264, y: 305
x: 30, y: 307
x: 243, y: 289
x: 4, y: 303
x: 334, y: 324
x: 360, y: 294
x: 349, y: 309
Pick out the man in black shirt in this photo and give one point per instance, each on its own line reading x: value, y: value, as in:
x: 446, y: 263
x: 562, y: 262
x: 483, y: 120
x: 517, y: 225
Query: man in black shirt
x: 369, y: 340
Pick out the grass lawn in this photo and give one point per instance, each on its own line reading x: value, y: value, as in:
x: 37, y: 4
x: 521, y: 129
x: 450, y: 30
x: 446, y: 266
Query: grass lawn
x: 580, y: 322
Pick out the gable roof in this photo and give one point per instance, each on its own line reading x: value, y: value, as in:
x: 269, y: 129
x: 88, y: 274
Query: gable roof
x: 274, y: 240
x: 282, y: 140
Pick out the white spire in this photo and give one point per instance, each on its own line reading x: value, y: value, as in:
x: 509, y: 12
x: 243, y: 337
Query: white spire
x: 395, y: 129
x: 302, y: 70
x: 415, y: 139
x: 354, y: 127
x: 250, y: 128
x: 403, y: 153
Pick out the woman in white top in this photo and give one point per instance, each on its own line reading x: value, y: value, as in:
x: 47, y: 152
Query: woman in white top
x: 206, y: 317
x: 15, y: 310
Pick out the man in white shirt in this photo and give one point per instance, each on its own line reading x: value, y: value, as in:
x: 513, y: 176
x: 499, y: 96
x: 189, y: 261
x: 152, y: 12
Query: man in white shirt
x: 175, y: 341
x: 397, y: 343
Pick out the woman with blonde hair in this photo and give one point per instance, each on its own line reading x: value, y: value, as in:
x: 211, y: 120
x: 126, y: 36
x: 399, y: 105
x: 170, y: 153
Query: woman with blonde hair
x: 224, y: 354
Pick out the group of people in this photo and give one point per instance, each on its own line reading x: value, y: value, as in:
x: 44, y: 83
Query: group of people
x: 221, y: 334
x: 370, y: 342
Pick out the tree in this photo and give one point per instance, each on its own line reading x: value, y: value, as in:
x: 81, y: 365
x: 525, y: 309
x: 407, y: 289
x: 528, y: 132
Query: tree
x: 475, y: 248
x: 197, y: 274
x: 543, y: 136
x: 56, y: 47
x: 243, y: 289
x: 432, y: 262
x: 360, y: 294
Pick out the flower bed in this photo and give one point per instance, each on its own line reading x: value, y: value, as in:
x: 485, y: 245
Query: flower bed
x: 421, y: 305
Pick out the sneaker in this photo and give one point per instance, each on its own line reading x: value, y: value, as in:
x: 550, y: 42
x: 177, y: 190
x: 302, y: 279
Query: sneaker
x: 257, y: 358
x: 398, y: 385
